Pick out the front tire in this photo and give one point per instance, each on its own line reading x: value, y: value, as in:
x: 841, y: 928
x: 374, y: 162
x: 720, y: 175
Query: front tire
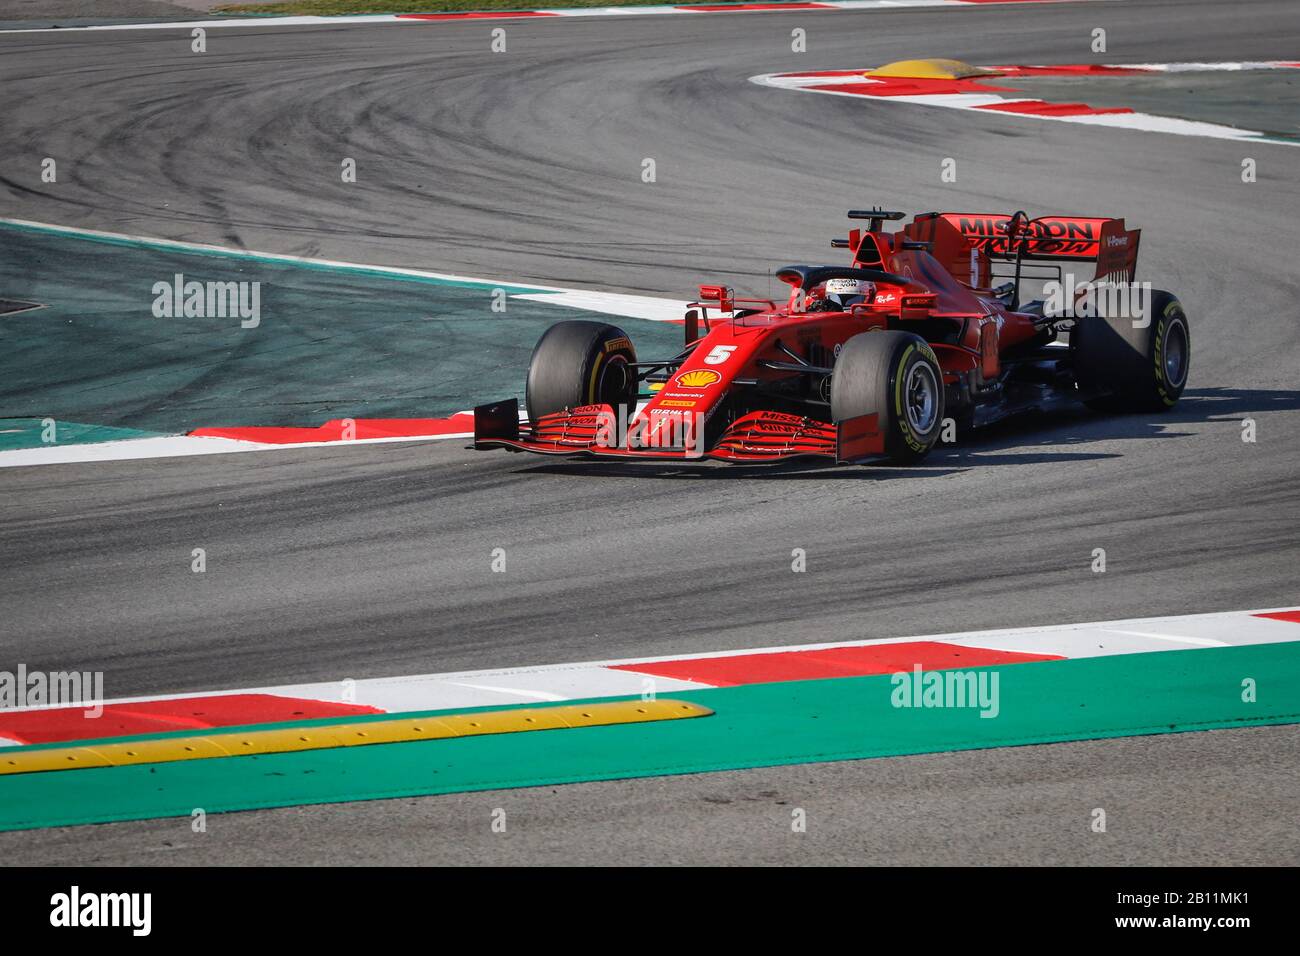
x: 895, y: 376
x: 580, y: 363
x: 1123, y: 368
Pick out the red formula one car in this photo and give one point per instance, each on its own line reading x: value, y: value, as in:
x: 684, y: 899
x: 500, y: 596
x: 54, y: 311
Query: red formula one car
x: 870, y: 361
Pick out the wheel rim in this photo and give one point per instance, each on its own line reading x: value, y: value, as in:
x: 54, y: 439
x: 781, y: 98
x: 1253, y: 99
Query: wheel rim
x: 921, y: 398
x: 612, y: 387
x: 1176, y: 354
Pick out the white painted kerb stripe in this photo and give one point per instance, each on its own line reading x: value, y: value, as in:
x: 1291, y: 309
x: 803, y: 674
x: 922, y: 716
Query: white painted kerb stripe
x: 612, y: 303
x: 271, y: 23
x: 557, y: 682
x: 178, y: 446
x: 1144, y: 122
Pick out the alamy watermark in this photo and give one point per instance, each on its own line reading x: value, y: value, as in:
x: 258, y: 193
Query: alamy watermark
x: 42, y: 690
x: 1124, y: 300
x: 208, y: 300
x: 948, y: 688
x: 674, y: 429
x: 76, y: 908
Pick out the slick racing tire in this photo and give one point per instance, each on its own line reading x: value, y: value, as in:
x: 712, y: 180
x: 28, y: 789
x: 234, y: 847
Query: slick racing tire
x: 581, y: 363
x: 896, y: 376
x: 1121, y: 367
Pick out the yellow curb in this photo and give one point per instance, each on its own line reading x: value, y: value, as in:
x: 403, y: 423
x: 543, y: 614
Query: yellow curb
x: 930, y: 70
x: 288, y: 739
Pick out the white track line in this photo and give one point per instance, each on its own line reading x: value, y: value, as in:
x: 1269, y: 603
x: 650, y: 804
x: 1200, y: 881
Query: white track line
x: 272, y: 23
x: 530, y: 289
x: 177, y: 446
x: 182, y: 446
x: 622, y: 305
x: 612, y: 303
x: 557, y: 682
x: 1144, y: 122
x: 1176, y: 638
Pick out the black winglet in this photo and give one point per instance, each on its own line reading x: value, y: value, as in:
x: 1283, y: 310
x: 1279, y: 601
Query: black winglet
x: 498, y: 420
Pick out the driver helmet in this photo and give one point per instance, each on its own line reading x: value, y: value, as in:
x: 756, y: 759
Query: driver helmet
x: 841, y: 294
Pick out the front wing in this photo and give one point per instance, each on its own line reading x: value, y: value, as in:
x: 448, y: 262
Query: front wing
x: 756, y: 437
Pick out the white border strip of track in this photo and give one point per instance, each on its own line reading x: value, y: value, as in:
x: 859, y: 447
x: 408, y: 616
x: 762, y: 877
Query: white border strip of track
x: 612, y: 303
x: 595, y: 301
x: 177, y: 446
x: 558, y: 682
x: 1145, y: 122
x: 619, y: 304
x: 271, y: 22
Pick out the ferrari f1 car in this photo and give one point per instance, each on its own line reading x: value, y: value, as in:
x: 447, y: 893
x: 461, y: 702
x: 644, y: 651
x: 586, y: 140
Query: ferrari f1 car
x: 866, y: 362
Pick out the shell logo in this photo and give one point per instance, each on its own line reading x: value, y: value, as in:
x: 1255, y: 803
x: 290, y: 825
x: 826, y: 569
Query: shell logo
x: 700, y: 378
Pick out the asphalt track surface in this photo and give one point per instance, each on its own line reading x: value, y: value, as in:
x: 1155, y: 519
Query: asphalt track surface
x: 370, y: 561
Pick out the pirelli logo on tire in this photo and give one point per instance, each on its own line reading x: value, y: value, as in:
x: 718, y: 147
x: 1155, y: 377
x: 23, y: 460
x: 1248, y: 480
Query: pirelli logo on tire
x: 917, y: 396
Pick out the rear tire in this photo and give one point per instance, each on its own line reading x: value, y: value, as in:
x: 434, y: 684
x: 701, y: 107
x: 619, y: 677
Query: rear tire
x: 895, y: 376
x: 581, y: 363
x: 1133, y: 369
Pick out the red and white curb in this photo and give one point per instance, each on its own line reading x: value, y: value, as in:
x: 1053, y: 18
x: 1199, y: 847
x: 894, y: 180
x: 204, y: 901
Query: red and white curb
x: 984, y: 93
x: 270, y: 22
x: 653, y: 675
x: 240, y: 438
x: 226, y: 440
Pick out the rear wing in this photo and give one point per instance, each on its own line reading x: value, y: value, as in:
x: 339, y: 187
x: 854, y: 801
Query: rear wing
x: 995, y: 236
